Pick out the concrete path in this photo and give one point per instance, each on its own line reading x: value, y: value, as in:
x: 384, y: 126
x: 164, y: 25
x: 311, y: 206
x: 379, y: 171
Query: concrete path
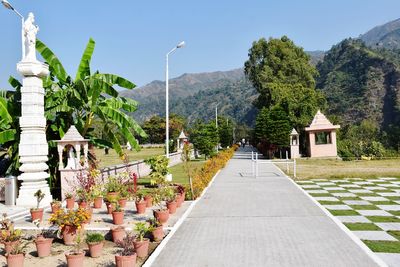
x: 268, y: 221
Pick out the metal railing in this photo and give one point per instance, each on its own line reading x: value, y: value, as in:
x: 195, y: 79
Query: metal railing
x: 255, y: 161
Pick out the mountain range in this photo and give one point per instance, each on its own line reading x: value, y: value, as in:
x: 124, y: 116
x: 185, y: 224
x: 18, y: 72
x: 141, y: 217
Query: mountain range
x: 360, y: 82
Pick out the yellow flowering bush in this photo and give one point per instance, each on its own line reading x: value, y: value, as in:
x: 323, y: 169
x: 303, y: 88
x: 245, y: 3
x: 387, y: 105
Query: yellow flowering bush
x: 70, y: 217
x: 203, y: 176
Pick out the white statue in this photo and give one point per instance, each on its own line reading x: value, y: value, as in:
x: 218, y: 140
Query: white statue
x: 30, y: 31
x: 71, y: 163
x: 128, y: 146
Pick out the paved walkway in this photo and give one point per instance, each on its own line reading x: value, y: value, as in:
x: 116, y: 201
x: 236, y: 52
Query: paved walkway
x: 268, y: 221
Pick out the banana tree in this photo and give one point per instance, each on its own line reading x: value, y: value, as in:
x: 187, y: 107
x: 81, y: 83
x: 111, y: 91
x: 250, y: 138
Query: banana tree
x: 81, y: 100
x: 9, y: 127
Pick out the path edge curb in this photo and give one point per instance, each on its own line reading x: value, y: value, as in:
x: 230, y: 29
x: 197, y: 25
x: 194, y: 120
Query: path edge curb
x: 149, y: 262
x: 353, y: 237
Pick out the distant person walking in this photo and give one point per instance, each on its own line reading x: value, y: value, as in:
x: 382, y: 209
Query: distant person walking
x: 243, y: 142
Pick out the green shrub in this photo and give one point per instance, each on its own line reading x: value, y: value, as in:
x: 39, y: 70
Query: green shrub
x: 94, y: 238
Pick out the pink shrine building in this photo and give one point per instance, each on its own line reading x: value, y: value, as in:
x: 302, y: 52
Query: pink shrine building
x: 321, y: 137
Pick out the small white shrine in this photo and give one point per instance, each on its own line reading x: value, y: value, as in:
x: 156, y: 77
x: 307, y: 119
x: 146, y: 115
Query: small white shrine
x: 294, y: 144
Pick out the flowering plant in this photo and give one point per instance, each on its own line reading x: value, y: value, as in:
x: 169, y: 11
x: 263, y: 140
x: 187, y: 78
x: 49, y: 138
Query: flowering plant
x: 69, y: 217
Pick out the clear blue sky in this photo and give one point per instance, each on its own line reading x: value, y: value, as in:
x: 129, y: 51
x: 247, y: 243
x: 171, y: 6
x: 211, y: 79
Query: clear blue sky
x: 132, y: 37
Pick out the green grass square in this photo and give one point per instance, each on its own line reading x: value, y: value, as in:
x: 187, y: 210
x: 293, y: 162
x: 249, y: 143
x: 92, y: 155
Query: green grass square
x: 349, y: 198
x: 362, y: 227
x: 320, y: 194
x: 395, y: 212
x: 344, y: 212
x: 393, y: 198
x: 395, y: 234
x: 364, y: 207
x: 383, y: 203
x: 383, y: 246
x: 366, y: 194
x: 380, y: 219
x: 325, y: 202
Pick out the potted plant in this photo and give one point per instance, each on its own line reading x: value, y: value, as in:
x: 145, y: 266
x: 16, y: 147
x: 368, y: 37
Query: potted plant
x: 70, y: 200
x: 15, y: 257
x: 95, y: 242
x: 43, y: 241
x: 156, y: 229
x: 118, y: 215
x: 149, y: 199
x: 112, y: 187
x: 5, y: 223
x: 123, y: 196
x: 161, y: 213
x: 55, y: 205
x: 76, y: 256
x: 37, y: 213
x: 118, y: 233
x: 83, y: 198
x: 97, y: 196
x: 159, y: 169
x: 68, y: 222
x: 127, y: 256
x: 141, y: 243
x: 111, y: 201
x: 180, y: 195
x: 140, y: 202
x: 10, y: 238
x: 169, y: 197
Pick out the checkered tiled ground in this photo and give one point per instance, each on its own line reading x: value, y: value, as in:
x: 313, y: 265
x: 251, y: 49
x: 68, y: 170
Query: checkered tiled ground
x: 370, y: 208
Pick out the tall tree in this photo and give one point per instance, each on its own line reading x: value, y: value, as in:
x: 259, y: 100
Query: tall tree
x: 204, y: 138
x: 281, y: 73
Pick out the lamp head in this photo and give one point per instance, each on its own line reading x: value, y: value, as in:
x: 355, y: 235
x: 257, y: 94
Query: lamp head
x: 7, y: 4
x: 181, y: 44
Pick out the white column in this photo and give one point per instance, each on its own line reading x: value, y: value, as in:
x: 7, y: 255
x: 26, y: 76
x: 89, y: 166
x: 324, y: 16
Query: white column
x: 33, y: 147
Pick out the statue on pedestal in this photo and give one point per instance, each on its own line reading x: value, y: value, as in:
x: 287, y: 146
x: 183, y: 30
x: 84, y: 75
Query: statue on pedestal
x: 30, y: 31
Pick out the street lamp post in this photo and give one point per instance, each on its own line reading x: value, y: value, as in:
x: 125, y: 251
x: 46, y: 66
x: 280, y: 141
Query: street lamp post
x: 180, y: 45
x: 216, y: 120
x: 7, y: 5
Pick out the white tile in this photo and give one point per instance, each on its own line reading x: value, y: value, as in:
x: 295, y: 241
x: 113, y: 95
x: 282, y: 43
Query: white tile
x: 337, y: 207
x: 312, y: 191
x: 374, y: 213
x: 356, y: 202
x: 389, y: 207
x: 309, y: 186
x: 340, y: 181
x: 305, y: 182
x: 326, y: 199
x: 374, y: 188
x: 350, y: 185
x: 369, y: 198
x: 363, y: 191
x: 353, y: 219
x: 343, y: 194
x: 386, y: 194
x: 334, y: 189
x: 363, y: 183
x: 374, y: 235
x: 389, y: 185
x: 389, y: 226
x: 388, y: 178
x: 325, y: 183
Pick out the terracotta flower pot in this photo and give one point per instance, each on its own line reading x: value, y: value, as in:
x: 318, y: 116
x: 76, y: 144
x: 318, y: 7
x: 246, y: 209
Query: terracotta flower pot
x: 16, y: 260
x: 82, y: 204
x: 75, y: 259
x: 142, y: 247
x: 70, y: 203
x: 161, y: 215
x: 98, y: 202
x: 69, y: 234
x: 118, y: 217
x: 171, y: 207
x: 55, y: 208
x: 149, y: 201
x: 140, y: 207
x: 158, y: 234
x: 95, y: 249
x: 110, y: 207
x: 122, y: 202
x: 43, y: 246
x: 37, y: 214
x: 8, y: 246
x: 178, y: 201
x: 125, y: 261
x: 118, y: 233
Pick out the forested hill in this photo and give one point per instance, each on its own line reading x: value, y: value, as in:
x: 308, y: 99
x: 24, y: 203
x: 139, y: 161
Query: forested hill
x: 386, y: 35
x: 151, y: 97
x: 361, y: 83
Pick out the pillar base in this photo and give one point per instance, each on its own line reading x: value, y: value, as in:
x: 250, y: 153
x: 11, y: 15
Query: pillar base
x: 27, y: 190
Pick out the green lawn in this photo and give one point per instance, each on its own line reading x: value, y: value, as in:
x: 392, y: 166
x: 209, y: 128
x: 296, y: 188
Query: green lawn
x: 178, y: 173
x: 113, y: 159
x: 362, y: 227
x: 332, y: 168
